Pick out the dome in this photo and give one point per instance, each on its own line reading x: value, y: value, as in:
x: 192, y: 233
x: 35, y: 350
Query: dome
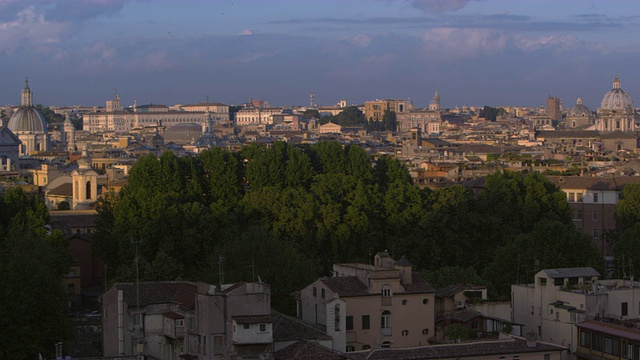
x: 617, y: 99
x: 183, y: 133
x: 27, y: 119
x: 580, y: 109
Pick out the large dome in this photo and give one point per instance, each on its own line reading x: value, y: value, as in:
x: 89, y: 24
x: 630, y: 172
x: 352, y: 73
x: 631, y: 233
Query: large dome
x: 579, y: 109
x: 27, y: 119
x: 617, y: 99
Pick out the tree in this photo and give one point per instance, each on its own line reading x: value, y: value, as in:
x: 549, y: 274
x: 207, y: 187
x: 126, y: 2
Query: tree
x: 455, y: 332
x: 628, y: 208
x: 34, y: 314
x: 453, y: 275
x: 311, y: 113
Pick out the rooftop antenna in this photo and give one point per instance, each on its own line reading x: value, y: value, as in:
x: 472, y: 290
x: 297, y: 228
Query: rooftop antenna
x: 221, y: 270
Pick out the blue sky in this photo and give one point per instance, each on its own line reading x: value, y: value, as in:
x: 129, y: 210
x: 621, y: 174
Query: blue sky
x: 475, y: 52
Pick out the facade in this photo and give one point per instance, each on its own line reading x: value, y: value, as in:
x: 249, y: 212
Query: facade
x: 186, y: 320
x: 559, y: 300
x: 370, y: 306
x: 616, y: 111
x: 593, y: 203
x: 429, y: 121
x: 374, y: 110
x: 28, y: 124
x: 118, y: 120
x: 256, y: 116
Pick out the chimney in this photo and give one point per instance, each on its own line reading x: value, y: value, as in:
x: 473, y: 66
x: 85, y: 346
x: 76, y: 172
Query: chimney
x: 404, y: 266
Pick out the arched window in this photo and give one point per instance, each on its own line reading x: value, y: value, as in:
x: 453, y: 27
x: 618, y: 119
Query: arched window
x: 385, y: 319
x: 619, y: 147
x: 386, y: 290
x: 336, y: 317
x: 617, y: 124
x: 76, y: 191
x: 88, y: 192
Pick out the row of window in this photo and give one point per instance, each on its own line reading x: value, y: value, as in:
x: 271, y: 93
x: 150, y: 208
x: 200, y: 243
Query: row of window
x: 609, y: 345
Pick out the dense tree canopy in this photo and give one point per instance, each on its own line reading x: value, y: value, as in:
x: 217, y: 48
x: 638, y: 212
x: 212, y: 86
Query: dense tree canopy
x: 627, y: 245
x: 34, y: 314
x: 310, y: 207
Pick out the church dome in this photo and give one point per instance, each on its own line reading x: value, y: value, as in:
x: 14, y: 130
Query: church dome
x: 580, y: 109
x: 27, y: 118
x: 616, y: 99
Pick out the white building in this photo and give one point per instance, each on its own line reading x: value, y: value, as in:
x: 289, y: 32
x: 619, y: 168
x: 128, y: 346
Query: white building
x: 561, y: 298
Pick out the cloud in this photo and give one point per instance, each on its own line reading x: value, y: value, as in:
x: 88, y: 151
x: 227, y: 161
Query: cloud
x: 440, y: 6
x: 30, y: 29
x: 359, y: 40
x: 67, y: 10
x: 248, y: 32
x: 453, y: 43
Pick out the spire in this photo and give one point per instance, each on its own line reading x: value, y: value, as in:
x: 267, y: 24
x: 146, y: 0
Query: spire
x: 27, y: 95
x: 616, y: 82
x: 579, y: 101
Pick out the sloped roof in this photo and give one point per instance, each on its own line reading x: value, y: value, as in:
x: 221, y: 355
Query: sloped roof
x: 160, y: 292
x: 306, y: 350
x: 571, y: 272
x: 7, y: 137
x: 593, y: 182
x: 65, y: 189
x: 465, y: 350
x: 346, y: 285
x: 288, y: 328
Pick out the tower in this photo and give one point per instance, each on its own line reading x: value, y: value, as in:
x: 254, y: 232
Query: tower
x: 69, y: 132
x: 553, y: 108
x: 85, y: 183
x: 434, y: 105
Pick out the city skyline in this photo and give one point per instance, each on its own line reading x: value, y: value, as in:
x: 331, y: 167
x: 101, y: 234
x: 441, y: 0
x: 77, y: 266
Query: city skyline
x: 473, y: 52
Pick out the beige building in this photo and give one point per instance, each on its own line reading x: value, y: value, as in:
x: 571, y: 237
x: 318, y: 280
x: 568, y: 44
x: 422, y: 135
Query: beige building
x: 374, y: 110
x: 256, y: 116
x: 370, y: 306
x: 561, y: 299
x: 118, y: 120
x: 429, y: 121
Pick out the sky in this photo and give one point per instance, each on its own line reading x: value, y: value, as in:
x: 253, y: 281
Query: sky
x: 474, y: 52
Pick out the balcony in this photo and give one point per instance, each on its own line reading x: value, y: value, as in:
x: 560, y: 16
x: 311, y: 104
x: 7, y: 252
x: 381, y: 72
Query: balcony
x: 385, y: 331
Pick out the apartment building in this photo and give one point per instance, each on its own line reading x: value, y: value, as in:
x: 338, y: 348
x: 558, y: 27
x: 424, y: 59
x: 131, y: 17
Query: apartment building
x: 557, y: 304
x: 370, y: 306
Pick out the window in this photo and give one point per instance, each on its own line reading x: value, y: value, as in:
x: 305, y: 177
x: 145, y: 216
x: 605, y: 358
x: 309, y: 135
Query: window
x: 315, y: 291
x: 425, y: 301
x: 612, y: 346
x: 246, y: 326
x: 579, y: 215
x: 572, y: 197
x: 180, y: 323
x: 547, y: 356
x: 386, y: 291
x: 404, y: 302
x: 595, y: 197
x: 596, y: 341
x: 425, y: 331
x: 322, y: 293
x: 596, y: 233
x: 585, y: 339
x: 138, y: 319
x: 336, y: 318
x: 365, y: 322
x: 262, y: 328
x: 385, y: 320
x: 542, y: 281
x: 629, y: 351
x: 579, y: 197
x: 217, y: 345
x: 351, y: 348
x: 349, y: 322
x: 624, y: 309
x: 595, y: 215
x: 405, y: 332
x: 386, y: 344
